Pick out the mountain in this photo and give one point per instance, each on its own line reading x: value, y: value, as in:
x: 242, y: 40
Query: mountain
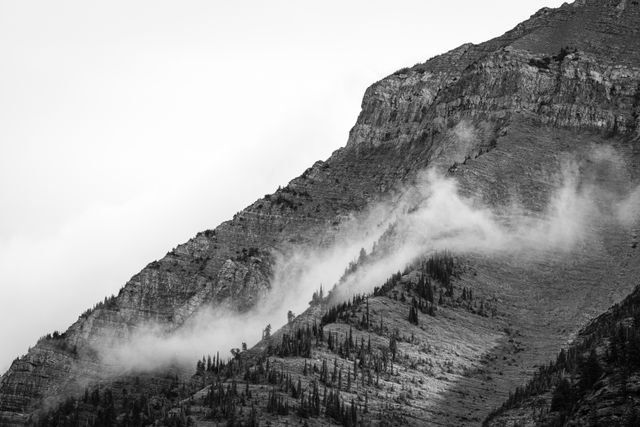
x: 594, y: 382
x: 544, y: 118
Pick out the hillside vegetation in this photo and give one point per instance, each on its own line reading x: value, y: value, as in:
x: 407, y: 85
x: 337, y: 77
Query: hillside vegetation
x: 375, y: 359
x: 534, y: 135
x: 594, y: 382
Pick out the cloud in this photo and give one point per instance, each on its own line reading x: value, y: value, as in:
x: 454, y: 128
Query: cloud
x: 297, y: 274
x: 430, y: 215
x: 628, y: 209
x: 590, y: 190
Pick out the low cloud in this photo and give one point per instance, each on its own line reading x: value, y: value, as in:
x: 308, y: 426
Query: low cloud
x: 429, y: 216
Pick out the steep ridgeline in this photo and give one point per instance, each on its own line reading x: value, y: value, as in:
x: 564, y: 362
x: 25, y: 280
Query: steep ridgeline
x: 500, y: 118
x: 595, y: 382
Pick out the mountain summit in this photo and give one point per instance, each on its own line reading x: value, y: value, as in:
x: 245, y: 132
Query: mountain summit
x: 471, y: 275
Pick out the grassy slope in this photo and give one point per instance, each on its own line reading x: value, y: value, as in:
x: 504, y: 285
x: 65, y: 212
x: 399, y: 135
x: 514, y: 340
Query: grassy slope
x: 602, y: 373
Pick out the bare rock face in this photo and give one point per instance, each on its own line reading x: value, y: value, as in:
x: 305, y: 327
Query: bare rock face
x: 494, y: 115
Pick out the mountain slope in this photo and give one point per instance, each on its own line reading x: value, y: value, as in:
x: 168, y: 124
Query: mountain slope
x: 386, y: 367
x: 500, y: 118
x: 594, y: 382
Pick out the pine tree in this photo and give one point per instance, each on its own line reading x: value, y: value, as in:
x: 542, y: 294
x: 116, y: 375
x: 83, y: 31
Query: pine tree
x: 368, y: 323
x: 393, y: 346
x: 590, y: 370
x: 266, y: 334
x: 413, y: 315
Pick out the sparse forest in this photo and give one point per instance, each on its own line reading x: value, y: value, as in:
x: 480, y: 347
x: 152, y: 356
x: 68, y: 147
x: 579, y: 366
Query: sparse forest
x: 606, y: 354
x: 325, y: 367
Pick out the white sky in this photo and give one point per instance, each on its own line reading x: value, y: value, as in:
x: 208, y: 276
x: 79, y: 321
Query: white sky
x: 128, y: 126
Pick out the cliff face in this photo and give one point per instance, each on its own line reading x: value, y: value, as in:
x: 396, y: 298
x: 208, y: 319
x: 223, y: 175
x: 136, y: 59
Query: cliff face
x: 497, y: 116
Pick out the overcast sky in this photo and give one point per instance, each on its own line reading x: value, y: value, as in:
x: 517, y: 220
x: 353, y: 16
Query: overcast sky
x: 128, y: 126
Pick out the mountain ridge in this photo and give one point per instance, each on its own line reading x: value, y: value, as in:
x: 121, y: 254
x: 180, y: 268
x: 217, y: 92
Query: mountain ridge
x: 476, y: 113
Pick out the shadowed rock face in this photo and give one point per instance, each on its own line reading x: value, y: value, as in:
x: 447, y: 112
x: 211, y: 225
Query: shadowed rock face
x: 497, y: 116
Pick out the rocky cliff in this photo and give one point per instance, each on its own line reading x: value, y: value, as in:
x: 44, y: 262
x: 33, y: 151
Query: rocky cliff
x: 499, y: 117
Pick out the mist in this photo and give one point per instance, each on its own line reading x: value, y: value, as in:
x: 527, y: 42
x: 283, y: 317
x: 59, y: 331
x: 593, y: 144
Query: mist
x: 298, y: 273
x: 118, y: 115
x: 590, y: 191
x: 431, y: 215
